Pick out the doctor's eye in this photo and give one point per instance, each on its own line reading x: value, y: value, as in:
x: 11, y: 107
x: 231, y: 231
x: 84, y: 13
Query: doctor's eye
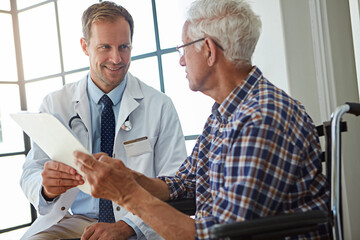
x: 124, y: 47
x: 104, y: 47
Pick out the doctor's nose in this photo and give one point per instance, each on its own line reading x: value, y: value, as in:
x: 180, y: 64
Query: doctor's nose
x: 115, y: 56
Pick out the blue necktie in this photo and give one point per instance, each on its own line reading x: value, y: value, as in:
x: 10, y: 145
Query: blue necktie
x: 106, y: 213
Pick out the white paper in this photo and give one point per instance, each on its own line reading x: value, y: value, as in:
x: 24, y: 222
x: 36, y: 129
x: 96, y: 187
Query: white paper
x: 53, y: 138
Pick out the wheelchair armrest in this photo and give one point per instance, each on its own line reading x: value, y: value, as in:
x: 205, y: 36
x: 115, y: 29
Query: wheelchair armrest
x: 186, y: 205
x: 271, y: 227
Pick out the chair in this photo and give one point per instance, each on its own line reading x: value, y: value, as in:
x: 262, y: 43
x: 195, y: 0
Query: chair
x: 292, y: 224
x: 187, y: 206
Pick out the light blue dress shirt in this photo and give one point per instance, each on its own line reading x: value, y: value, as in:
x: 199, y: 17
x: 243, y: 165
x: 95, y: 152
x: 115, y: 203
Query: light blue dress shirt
x: 84, y: 204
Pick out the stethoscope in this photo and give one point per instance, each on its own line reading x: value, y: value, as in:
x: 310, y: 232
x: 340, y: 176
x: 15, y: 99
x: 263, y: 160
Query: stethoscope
x: 72, y: 119
x: 127, y: 126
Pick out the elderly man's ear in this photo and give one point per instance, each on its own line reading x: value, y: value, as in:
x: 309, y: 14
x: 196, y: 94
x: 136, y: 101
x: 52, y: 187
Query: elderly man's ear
x: 211, y: 49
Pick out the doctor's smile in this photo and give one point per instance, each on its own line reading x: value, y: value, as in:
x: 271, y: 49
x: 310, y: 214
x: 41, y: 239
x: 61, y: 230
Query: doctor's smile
x: 113, y: 68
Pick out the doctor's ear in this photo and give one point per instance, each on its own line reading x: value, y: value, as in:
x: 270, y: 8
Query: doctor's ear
x: 84, y: 46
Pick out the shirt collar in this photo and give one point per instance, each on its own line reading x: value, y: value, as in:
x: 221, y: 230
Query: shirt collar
x: 224, y: 110
x: 115, y: 95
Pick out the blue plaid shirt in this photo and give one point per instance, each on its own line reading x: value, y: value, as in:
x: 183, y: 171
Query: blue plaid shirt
x: 258, y: 155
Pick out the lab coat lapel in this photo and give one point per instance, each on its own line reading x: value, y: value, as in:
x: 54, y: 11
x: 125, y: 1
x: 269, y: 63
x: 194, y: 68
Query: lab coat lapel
x: 82, y: 106
x: 129, y: 101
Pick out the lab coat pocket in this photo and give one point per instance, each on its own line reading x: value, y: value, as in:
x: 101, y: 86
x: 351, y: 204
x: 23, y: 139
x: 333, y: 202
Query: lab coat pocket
x: 138, y: 147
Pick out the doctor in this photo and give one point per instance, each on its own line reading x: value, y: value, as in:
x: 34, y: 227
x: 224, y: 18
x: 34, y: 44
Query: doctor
x: 148, y: 137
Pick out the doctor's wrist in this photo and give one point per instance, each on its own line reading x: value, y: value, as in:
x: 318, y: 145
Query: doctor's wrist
x: 127, y: 230
x: 45, y: 196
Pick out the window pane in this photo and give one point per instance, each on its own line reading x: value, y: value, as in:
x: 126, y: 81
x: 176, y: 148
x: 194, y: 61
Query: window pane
x: 147, y: 71
x: 12, y: 139
x: 144, y: 37
x: 171, y: 22
x: 16, y: 234
x: 27, y: 3
x: 39, y: 39
x: 36, y: 91
x: 189, y: 146
x: 13, y: 200
x: 7, y: 49
x: 193, y: 107
x: 74, y: 77
x: 1, y: 134
x: 70, y: 13
x: 5, y: 5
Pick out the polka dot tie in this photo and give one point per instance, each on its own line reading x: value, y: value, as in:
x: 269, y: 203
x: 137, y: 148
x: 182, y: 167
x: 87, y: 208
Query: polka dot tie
x: 106, y: 213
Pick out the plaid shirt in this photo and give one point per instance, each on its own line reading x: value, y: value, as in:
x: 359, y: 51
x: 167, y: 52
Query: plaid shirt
x: 258, y: 155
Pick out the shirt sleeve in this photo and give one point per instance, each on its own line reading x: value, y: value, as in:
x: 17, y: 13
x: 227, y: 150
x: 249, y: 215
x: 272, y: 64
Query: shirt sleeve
x: 31, y: 180
x: 45, y: 206
x: 138, y: 233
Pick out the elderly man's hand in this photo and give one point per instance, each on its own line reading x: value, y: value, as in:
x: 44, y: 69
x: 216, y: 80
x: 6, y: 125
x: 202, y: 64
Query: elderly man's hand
x: 109, y: 178
x: 118, y: 230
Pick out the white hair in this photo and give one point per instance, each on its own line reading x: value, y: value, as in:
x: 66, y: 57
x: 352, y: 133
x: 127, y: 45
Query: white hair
x: 231, y: 23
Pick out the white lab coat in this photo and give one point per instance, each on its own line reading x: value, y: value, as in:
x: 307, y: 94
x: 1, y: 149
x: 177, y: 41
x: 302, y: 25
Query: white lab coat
x: 152, y: 115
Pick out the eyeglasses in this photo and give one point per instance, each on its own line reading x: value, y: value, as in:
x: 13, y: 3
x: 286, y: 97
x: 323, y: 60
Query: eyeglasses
x: 181, y: 50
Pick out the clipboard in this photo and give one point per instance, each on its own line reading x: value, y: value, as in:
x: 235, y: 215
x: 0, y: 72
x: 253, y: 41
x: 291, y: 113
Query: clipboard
x: 53, y: 138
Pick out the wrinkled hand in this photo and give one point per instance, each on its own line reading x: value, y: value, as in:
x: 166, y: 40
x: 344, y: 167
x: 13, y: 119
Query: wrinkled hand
x: 108, y: 231
x: 58, y: 178
x: 108, y: 177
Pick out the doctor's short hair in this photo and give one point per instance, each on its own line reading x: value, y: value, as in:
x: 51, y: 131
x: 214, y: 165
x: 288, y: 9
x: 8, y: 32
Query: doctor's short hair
x: 104, y: 11
x: 231, y: 23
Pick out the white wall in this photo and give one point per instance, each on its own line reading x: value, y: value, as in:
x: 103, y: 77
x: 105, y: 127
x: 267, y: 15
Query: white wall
x: 322, y: 75
x: 355, y: 24
x: 269, y: 54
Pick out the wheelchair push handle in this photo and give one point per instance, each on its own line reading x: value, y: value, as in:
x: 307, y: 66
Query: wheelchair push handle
x: 354, y: 108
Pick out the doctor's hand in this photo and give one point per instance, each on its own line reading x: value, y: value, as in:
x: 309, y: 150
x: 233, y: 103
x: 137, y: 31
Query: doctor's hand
x: 58, y: 178
x: 108, y: 177
x: 118, y: 230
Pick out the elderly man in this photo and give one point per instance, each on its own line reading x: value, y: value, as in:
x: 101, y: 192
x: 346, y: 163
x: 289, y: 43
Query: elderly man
x: 258, y: 154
